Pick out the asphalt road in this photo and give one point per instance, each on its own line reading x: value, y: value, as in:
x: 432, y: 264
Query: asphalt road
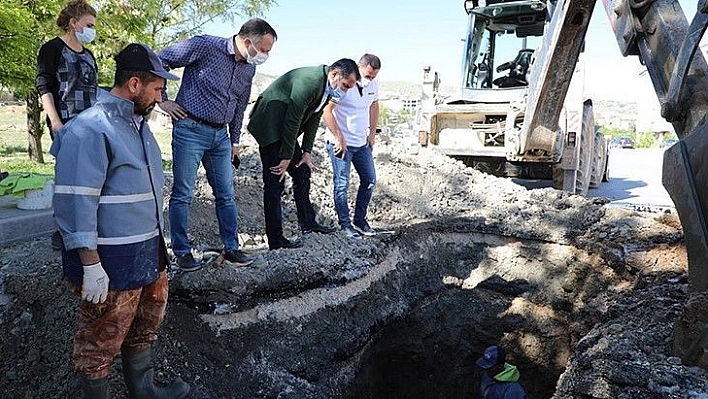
x: 634, y: 180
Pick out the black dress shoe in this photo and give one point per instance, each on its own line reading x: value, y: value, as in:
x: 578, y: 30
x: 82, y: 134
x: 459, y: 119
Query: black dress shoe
x: 285, y: 243
x: 318, y: 228
x: 238, y: 258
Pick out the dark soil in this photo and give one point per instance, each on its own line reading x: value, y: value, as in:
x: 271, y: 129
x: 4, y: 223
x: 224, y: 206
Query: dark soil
x: 582, y: 295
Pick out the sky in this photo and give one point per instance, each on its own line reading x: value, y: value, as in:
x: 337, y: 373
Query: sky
x: 408, y: 35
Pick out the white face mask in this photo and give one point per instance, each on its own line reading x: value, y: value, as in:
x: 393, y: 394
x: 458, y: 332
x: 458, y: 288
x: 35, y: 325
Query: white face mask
x: 86, y: 35
x: 257, y: 59
x: 364, y: 81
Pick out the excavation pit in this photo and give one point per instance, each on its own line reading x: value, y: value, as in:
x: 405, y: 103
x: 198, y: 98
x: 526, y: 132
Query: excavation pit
x: 414, y: 323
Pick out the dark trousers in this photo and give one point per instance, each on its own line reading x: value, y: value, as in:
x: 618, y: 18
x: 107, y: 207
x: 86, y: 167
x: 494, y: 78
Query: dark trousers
x: 273, y: 190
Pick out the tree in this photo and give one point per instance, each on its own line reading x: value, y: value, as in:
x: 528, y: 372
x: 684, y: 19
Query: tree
x: 384, y: 114
x: 26, y: 24
x: 405, y: 115
x: 18, y: 39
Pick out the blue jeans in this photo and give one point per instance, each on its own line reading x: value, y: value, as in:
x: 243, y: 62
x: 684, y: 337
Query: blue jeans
x: 193, y: 142
x: 364, y: 165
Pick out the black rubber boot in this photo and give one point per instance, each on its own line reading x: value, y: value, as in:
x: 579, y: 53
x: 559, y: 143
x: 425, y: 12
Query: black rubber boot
x: 139, y: 374
x: 95, y: 389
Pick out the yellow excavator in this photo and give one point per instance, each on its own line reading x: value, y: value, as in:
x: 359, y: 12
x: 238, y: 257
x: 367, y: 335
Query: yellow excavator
x: 522, y: 109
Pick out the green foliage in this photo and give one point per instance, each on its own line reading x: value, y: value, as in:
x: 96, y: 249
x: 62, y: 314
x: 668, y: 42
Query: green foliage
x: 22, y: 164
x: 159, y: 23
x: 405, y: 115
x: 617, y: 132
x: 26, y: 24
x: 645, y: 140
x: 384, y: 114
x: 19, y: 46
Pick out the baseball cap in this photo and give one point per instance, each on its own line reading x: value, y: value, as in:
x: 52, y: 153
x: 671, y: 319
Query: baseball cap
x: 139, y: 57
x: 493, y: 355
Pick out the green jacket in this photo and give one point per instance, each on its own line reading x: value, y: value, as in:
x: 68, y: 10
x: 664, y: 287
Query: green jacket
x: 287, y: 108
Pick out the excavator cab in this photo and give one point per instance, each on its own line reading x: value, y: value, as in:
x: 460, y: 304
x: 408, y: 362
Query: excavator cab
x: 501, y: 32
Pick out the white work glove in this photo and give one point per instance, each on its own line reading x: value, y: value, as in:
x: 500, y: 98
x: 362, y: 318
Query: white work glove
x: 95, y: 285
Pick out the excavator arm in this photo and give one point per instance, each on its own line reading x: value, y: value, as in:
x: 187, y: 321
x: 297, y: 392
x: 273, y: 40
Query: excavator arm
x: 552, y: 72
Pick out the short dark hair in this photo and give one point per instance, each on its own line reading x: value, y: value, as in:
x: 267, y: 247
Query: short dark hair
x: 370, y: 60
x: 255, y: 29
x: 346, y: 67
x: 122, y: 77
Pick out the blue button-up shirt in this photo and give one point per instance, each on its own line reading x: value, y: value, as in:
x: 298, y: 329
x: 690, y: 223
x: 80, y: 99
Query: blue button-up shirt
x: 215, y: 87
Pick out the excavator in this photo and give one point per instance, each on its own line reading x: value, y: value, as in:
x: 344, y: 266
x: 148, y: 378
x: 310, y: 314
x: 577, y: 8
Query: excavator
x: 531, y: 110
x: 494, y: 124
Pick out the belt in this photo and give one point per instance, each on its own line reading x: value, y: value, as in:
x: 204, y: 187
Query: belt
x: 206, y: 122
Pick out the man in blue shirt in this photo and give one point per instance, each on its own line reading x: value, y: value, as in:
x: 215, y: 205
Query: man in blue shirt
x: 215, y: 89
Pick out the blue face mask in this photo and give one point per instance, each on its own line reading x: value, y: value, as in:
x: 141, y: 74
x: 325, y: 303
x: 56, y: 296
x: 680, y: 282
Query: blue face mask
x: 337, y: 92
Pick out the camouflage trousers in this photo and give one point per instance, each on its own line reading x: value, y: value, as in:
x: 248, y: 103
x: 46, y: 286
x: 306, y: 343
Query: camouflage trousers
x: 127, y: 321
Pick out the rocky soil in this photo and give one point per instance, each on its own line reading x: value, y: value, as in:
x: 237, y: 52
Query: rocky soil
x: 582, y: 295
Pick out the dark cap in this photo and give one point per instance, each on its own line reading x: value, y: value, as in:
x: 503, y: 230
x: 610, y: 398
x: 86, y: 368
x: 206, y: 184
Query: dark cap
x: 492, y: 356
x: 139, y: 57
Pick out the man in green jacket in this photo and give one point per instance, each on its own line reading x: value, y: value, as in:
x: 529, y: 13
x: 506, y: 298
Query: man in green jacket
x: 292, y: 106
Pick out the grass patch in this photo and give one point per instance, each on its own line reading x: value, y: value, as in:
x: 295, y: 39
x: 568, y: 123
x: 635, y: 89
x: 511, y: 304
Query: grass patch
x: 23, y: 164
x: 14, y: 143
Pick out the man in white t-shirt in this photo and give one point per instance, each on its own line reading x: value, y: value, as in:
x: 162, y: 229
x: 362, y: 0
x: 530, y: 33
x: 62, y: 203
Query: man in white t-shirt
x: 353, y: 121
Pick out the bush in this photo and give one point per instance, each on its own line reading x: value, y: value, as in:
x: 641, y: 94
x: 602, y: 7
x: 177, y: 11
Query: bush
x: 646, y: 140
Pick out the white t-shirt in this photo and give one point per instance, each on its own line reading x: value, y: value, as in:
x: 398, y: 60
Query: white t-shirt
x: 352, y: 113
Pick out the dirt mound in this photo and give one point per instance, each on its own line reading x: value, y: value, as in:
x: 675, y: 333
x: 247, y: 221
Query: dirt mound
x: 580, y: 293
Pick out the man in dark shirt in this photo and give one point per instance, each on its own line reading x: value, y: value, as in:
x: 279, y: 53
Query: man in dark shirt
x: 215, y: 89
x: 290, y: 107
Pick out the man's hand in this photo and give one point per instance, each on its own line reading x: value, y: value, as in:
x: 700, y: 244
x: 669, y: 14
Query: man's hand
x: 95, y: 284
x: 235, y: 151
x: 307, y: 160
x: 340, y: 145
x: 280, y: 169
x: 371, y: 140
x: 173, y: 109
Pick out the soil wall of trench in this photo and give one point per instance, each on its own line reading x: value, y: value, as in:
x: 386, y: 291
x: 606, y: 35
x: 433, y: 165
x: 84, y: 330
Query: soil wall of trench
x: 582, y: 296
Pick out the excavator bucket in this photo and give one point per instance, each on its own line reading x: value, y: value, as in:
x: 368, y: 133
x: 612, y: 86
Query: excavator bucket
x: 685, y: 176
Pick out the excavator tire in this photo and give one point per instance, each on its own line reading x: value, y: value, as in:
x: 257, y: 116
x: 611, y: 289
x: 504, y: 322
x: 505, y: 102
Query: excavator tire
x: 587, y: 153
x: 599, y: 165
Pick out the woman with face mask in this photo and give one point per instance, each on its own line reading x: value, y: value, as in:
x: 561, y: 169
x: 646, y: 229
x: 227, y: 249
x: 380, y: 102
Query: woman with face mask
x: 67, y: 74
